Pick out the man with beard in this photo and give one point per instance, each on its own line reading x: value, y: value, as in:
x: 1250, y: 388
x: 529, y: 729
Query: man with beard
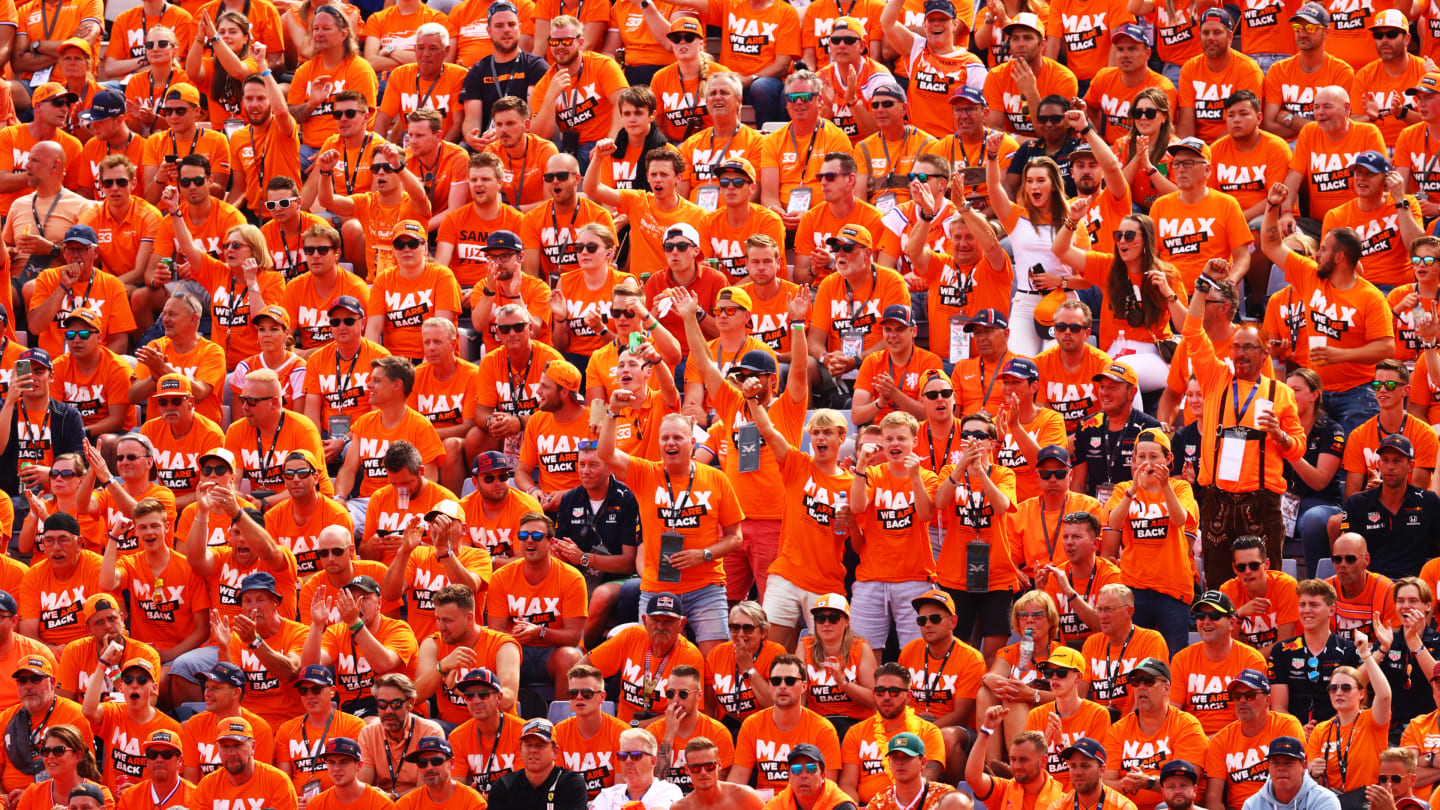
x: 1289, y: 785
x: 508, y: 71
x: 342, y: 764
x: 488, y: 742
x: 377, y: 216
x: 268, y: 146
x: 458, y: 645
x: 1238, y: 748
x: 241, y: 778
x: 386, y: 746
x: 541, y: 784
x: 301, y: 739
x: 75, y: 285
x: 1243, y: 485
x: 182, y: 113
x: 1105, y: 443
x: 581, y: 114
x: 1203, y: 670
x: 1344, y: 349
x: 1387, y: 216
x: 553, y: 435
x: 266, y: 645
x: 843, y: 201
x: 1082, y: 573
x: 206, y: 217
x: 862, y: 771
x: 465, y: 232
x: 1382, y: 87
x: 494, y: 508
x: 120, y: 723
x: 1014, y: 89
x: 1178, y: 782
x: 502, y: 282
x: 541, y: 601
x: 1291, y: 85
x: 105, y: 648
x: 1207, y: 79
x: 336, y: 375
x: 1085, y: 759
x: 301, y: 522
x: 523, y: 155
x: 224, y: 689
x: 437, y: 788
x: 193, y: 368
x: 1030, y: 781
x: 1139, y: 743
x: 164, y: 759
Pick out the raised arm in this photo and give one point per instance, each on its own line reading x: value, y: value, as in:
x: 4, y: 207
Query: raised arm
x: 594, y: 189
x: 1000, y: 202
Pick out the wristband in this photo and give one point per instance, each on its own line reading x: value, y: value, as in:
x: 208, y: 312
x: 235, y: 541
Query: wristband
x: 1150, y: 172
x: 441, y: 670
x: 265, y: 74
x: 654, y: 323
x: 922, y: 215
x: 986, y: 731
x: 357, y: 627
x: 1089, y: 128
x: 324, y: 173
x: 798, y: 326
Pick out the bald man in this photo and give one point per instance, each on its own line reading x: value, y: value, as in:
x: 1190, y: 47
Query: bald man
x: 1321, y: 161
x: 550, y: 228
x: 45, y: 173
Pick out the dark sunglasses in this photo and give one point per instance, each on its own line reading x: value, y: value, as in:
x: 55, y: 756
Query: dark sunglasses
x: 685, y: 38
x: 1393, y: 779
x: 563, y: 42
x: 253, y: 401
x: 309, y: 690
x: 1141, y: 679
x: 583, y: 693
x: 1385, y: 385
x: 1053, y: 672
x: 787, y: 680
x: 623, y: 313
x: 135, y: 680
x: 348, y: 321
x: 889, y: 691
x: 479, y: 694
x: 158, y: 44
x: 804, y: 767
x: 115, y: 182
x: 83, y: 334
x: 1253, y: 565
x: 491, y: 478
x: 1051, y: 475
x: 407, y: 243
x: 829, y: 177
x: 431, y: 762
x: 510, y: 328
x: 682, y: 694
x: 317, y: 250
x: 589, y: 247
x: 882, y: 105
x: 162, y: 754
x: 921, y: 176
x: 743, y: 628
x: 66, y: 474
x: 1424, y: 261
x: 938, y: 393
x: 1049, y: 119
x: 630, y: 756
x: 301, y: 474
x: 235, y: 245
x: 215, y: 469
x: 130, y: 457
x: 676, y: 247
x: 338, y: 114
x: 702, y: 767
x: 170, y: 402
x: 397, y: 703
x: 168, y: 111
x: 799, y: 98
x: 1387, y: 33
x: 1071, y: 327
x: 933, y: 618
x: 1126, y: 235
x: 28, y: 679
x: 1341, y: 687
x: 977, y: 435
x: 276, y: 205
x: 377, y: 168
x: 834, y: 40
x: 732, y: 182
x: 551, y: 177
x: 191, y: 182
x: 1345, y: 558
x: 846, y: 248
x: 53, y: 751
x: 526, y: 537
x: 1207, y: 615
x: 828, y: 616
x: 325, y: 553
x: 1148, y: 112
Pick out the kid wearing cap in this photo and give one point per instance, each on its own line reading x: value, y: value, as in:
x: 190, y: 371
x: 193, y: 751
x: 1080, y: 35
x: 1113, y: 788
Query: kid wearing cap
x: 120, y: 723
x: 1076, y: 717
x: 398, y: 197
x: 732, y: 319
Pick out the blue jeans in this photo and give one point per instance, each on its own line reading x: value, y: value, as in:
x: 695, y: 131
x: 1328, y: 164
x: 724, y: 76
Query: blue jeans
x: 706, y: 612
x: 1351, y: 408
x: 1171, y: 71
x: 1268, y: 60
x: 767, y: 96
x: 1314, y: 513
x: 1165, y: 614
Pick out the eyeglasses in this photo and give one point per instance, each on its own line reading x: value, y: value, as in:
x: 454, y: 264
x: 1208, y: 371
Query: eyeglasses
x: 685, y: 38
x: 1126, y: 236
x: 1338, y: 688
x: 66, y: 474
x: 702, y: 767
x: 1031, y: 614
x: 787, y: 680
x: 1307, y: 28
x: 130, y: 457
x: 921, y: 176
x: 301, y: 474
x: 53, y: 751
x: 589, y: 247
x: 1350, y: 559
x: 1424, y: 261
x: 1189, y: 163
x: 938, y: 393
x: 135, y: 680
x: 551, y: 177
x: 490, y: 478
x: 563, y: 42
x: 1052, y: 475
x: 1049, y: 119
x: 431, y: 762
x: 275, y: 205
x: 1393, y: 779
x: 587, y: 694
x: 164, y: 754
x: 317, y: 250
x: 743, y: 628
x: 479, y: 694
x: 376, y: 168
x: 682, y: 694
x: 1244, y: 695
x: 158, y: 44
x: 799, y: 98
x: 834, y: 40
x: 510, y: 328
x: 676, y: 247
x: 1071, y: 327
x: 1207, y: 616
x: 526, y: 537
x: 830, y: 177
x: 350, y: 321
x: 309, y: 690
x: 253, y: 401
x: 325, y: 553
x: 882, y: 105
x: 115, y: 182
x: 1387, y: 33
x: 1150, y: 113
x: 338, y: 114
x: 397, y: 703
x: 28, y: 679
x: 1253, y: 565
x: 828, y: 616
x: 82, y: 334
x: 889, y: 691
x: 804, y: 767
x: 191, y: 182
x: 1385, y: 385
x: 977, y: 435
x: 235, y: 245
x: 932, y: 618
x: 1219, y: 302
x: 215, y: 469
x: 845, y: 247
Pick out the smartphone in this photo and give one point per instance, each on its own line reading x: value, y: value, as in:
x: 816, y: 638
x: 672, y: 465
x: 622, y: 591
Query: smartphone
x: 172, y: 158
x: 636, y: 339
x: 1037, y: 269
x: 22, y: 367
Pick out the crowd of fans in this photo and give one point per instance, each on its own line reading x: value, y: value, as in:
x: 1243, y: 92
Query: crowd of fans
x: 498, y: 402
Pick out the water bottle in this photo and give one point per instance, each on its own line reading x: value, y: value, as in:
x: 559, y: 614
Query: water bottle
x: 1027, y: 650
x: 837, y: 523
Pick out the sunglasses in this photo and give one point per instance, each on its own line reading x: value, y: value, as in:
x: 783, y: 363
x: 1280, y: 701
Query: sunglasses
x: 623, y: 313
x: 685, y: 38
x: 301, y: 474
x: 882, y: 105
x: 169, y: 111
x: 828, y: 617
x: 215, y: 469
x: 1051, y: 475
x: 326, y: 553
x: 1244, y: 695
x: 1385, y: 385
x: 431, y: 762
x: 397, y: 703
x: 1341, y: 688
x: 1207, y: 616
x: 830, y: 177
x: 977, y: 435
x: 1031, y: 614
x: 130, y: 457
x: 732, y: 182
x: 589, y: 247
x: 1050, y: 119
x: 170, y: 402
x: 551, y: 177
x: 276, y: 205
x: 933, y: 618
x: 587, y: 694
x: 253, y: 401
x: 787, y: 680
x: 1345, y: 558
x: 53, y: 751
x: 1126, y: 236
x: 804, y: 767
x: 377, y: 168
x: 490, y: 478
x: 1147, y: 112
x: 309, y: 690
x: 1393, y: 779
x: 1423, y: 261
x: 682, y: 694
x: 115, y: 182
x: 66, y: 474
x: 938, y: 393
x: 1307, y: 28
x: 889, y: 691
x: 29, y: 678
x: 1141, y: 679
x: 1387, y: 33
x: 158, y: 44
x: 799, y: 98
x: 845, y: 247
x: 350, y: 321
x: 191, y: 182
x: 338, y: 114
x: 479, y: 694
x: 743, y: 628
x: 317, y: 250
x: 510, y: 328
x: 844, y: 40
x: 702, y: 767
x: 407, y: 243
x: 676, y: 247
x: 526, y: 537
x: 726, y: 310
x: 1071, y: 327
x: 1250, y: 566
x: 165, y: 754
x: 135, y: 680
x: 921, y: 176
x: 630, y: 756
x: 563, y: 42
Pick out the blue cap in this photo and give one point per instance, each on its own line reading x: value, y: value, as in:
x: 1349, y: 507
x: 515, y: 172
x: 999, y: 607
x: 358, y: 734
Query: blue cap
x: 664, y: 604
x: 987, y: 318
x: 260, y: 581
x: 88, y: 790
x: 84, y: 234
x: 107, y: 104
x: 1398, y: 443
x: 349, y: 302
x: 1053, y: 452
x: 481, y: 677
x: 1134, y: 31
x: 757, y: 360
x: 8, y: 603
x: 37, y: 357
x: 504, y: 241
x: 226, y: 672
x: 940, y: 7
x: 1253, y: 678
x: 318, y: 674
x: 342, y: 747
x: 430, y: 745
x: 898, y: 312
x: 1218, y: 13
x: 1287, y: 747
x: 1312, y: 13
x: 1372, y: 162
x: 501, y: 5
x: 1085, y: 747
x: 1179, y: 767
x: 806, y: 750
x: 490, y: 461
x: 1021, y: 368
x: 966, y: 93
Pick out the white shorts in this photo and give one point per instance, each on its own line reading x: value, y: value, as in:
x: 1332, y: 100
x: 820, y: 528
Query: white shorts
x: 786, y: 605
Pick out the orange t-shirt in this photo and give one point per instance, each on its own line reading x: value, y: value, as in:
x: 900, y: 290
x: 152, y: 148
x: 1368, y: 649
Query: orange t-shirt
x: 682, y: 102
x: 405, y: 303
x: 1362, y: 446
x: 825, y: 695
x: 837, y: 310
x: 896, y: 543
x: 641, y: 47
x: 1035, y: 531
x: 16, y: 143
x: 142, y: 89
x: 198, y: 736
x: 1109, y: 94
x: 1346, y: 318
x: 487, y: 650
x: 591, y: 757
x: 1202, y: 686
x: 936, y: 687
x: 756, y: 490
x: 225, y: 582
x: 266, y: 694
x: 961, y: 292
x: 162, y: 608
x: 268, y: 783
x: 263, y: 155
x: 425, y: 575
x: 1422, y: 735
x: 1259, y: 631
x: 494, y: 535
x: 93, y: 394
x: 353, y: 73
x: 703, y: 154
x: 231, y: 307
x: 208, y: 234
x: 559, y: 596
x: 480, y: 762
x: 770, y: 317
x: 1417, y: 151
x: 1204, y: 91
x: 127, y: 35
x: 752, y: 38
x: 553, y: 447
x: 340, y: 386
x: 205, y: 363
x: 39, y: 794
x: 301, y: 745
x: 1294, y: 90
x: 581, y: 301
x: 1325, y: 164
x: 977, y: 384
x: 56, y: 602
x: 406, y: 92
x: 934, y: 77
x: 371, y: 439
x: 445, y: 403
x: 1191, y: 235
x: 1002, y: 93
x: 353, y: 673
x: 379, y: 220
x: 1247, y: 176
x: 320, y: 584
x: 798, y: 164
x: 205, y: 142
x: 761, y: 745
x: 1243, y: 759
x: 733, y: 690
x: 1048, y: 428
x: 973, y: 518
x: 1109, y: 662
x: 1155, y: 545
x: 1091, y: 720
x: 1373, y: 82
x: 102, y: 292
x: 1383, y: 251
x: 524, y: 180
x: 1177, y: 35
x: 812, y: 556
x: 1128, y: 746
x: 698, y: 512
x: 705, y: 726
x: 648, y: 223
x: 820, y: 223
x: 263, y: 462
x: 1375, y: 602
x: 585, y: 109
x: 1073, y: 630
x: 819, y: 22
x: 1084, y: 28
x: 308, y: 310
x: 468, y: 231
x: 1363, y: 762
x: 124, y: 764
x: 87, y: 178
x: 543, y: 230
x: 625, y: 654
x: 865, y: 744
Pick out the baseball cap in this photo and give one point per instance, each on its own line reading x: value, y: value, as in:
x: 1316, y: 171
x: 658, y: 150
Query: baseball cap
x: 183, y: 91
x: 1286, y: 747
x: 162, y: 739
x: 448, y: 507
x: 849, y: 24
x: 683, y: 230
x: 739, y: 165
x: 832, y: 601
x: 490, y: 461
x: 538, y: 727
x: 505, y: 241
x: 88, y: 790
x: 61, y: 522
x: 1253, y: 678
x: 260, y: 581
x: 84, y: 234
x: 1133, y: 31
x: 173, y: 384
x: 317, y: 674
x: 479, y: 677
x: 664, y: 604
x: 1398, y: 443
x: 50, y: 91
x: 1021, y: 368
x: 1067, y: 657
x: 1429, y: 83
x: 758, y: 361
x: 1155, y: 435
x: 410, y: 228
x: 852, y: 235
x: 8, y: 602
x: 85, y: 315
x: 1371, y: 161
x: 940, y: 7
x: 937, y: 597
x: 1151, y: 666
x: 564, y: 374
x: 347, y: 746
x: 806, y: 750
x: 1027, y: 19
x: 348, y: 302
x: 965, y: 94
x: 889, y: 90
x: 1192, y: 144
x: 105, y: 105
x: 1179, y: 767
x: 430, y: 745
x: 899, y: 313
x: 501, y: 6
x: 235, y: 728
x: 38, y: 357
x: 1390, y: 18
x: 222, y: 453
x: 1218, y: 13
x: 274, y: 313
x: 1085, y: 747
x: 96, y: 603
x: 1119, y: 372
x: 1312, y: 13
x: 225, y: 672
x: 1216, y: 600
x: 1053, y: 452
x: 906, y: 743
x: 736, y: 296
x: 991, y: 318
x: 363, y: 583
x: 38, y: 664
x: 686, y: 25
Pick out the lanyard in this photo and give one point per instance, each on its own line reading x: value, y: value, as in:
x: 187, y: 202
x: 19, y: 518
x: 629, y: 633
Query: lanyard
x: 44, y: 425
x: 720, y: 356
x: 175, y: 145
x: 572, y: 99
x: 389, y: 760
x: 351, y: 177
x: 900, y: 153
x: 494, y: 77
x: 716, y: 160
x: 919, y: 800
x: 939, y: 671
x: 1110, y: 674
x: 342, y: 383
x: 163, y: 88
x: 48, y: 26
x: 520, y: 175
x: 905, y: 369
x: 430, y: 173
x: 517, y: 389
x: 675, y: 507
x: 490, y: 759
x: 1109, y: 447
x: 1240, y: 411
x: 324, y: 735
x: 850, y: 294
x: 425, y: 97
x: 647, y: 689
x: 930, y: 441
x: 1098, y: 805
x: 292, y: 257
x: 991, y: 386
x: 122, y: 151
x: 566, y: 248
x: 260, y: 158
x: 41, y: 225
x: 1404, y: 423
x: 38, y: 735
x: 794, y: 144
x: 1342, y: 756
x: 691, y: 115
x: 267, y: 456
x: 1045, y: 528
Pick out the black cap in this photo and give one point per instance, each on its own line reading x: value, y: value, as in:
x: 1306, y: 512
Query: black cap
x: 665, y: 604
x: 940, y: 7
x: 1399, y: 444
x: 807, y: 751
x: 342, y: 747
x: 538, y: 727
x: 88, y: 790
x: 899, y: 313
x: 364, y: 584
x: 757, y: 360
x: 1151, y: 666
x: 61, y: 522
x: 8, y: 603
x: 1179, y: 767
x: 1216, y: 600
x: 225, y: 672
x: 504, y: 241
x: 105, y: 105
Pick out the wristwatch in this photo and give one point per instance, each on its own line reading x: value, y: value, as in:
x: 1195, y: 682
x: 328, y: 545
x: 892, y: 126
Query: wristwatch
x: 709, y: 557
x: 255, y: 644
x: 585, y: 560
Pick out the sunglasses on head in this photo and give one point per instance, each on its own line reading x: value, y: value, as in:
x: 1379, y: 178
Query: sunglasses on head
x: 682, y: 694
x: 165, y: 753
x: 1253, y: 565
x: 115, y: 182
x: 1345, y: 558
x: 1145, y: 112
x: 551, y: 177
x: 702, y: 767
x: 158, y: 44
x: 82, y: 334
x: 931, y: 618
x: 587, y: 694
x: 510, y: 328
x: 799, y: 98
x: 563, y: 42
x: 787, y: 680
x: 276, y: 205
x: 938, y: 393
x: 302, y: 474
x: 1052, y: 475
x: 348, y: 321
x: 1385, y: 385
x: 338, y: 114
x: 191, y: 182
x: 407, y: 243
x: 317, y: 250
x: 490, y: 478
x: 732, y: 182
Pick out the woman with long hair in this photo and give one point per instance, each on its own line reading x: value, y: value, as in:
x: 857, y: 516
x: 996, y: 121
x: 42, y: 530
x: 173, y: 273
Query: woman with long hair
x: 1032, y: 222
x: 1338, y: 760
x: 843, y: 692
x: 593, y: 280
x: 685, y: 80
x: 272, y: 329
x: 69, y: 761
x: 220, y: 77
x: 246, y: 272
x: 735, y: 693
x: 299, y: 46
x: 145, y: 90
x: 1014, y: 680
x: 1312, y: 477
x: 1144, y: 296
x: 1146, y: 147
x: 68, y: 474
